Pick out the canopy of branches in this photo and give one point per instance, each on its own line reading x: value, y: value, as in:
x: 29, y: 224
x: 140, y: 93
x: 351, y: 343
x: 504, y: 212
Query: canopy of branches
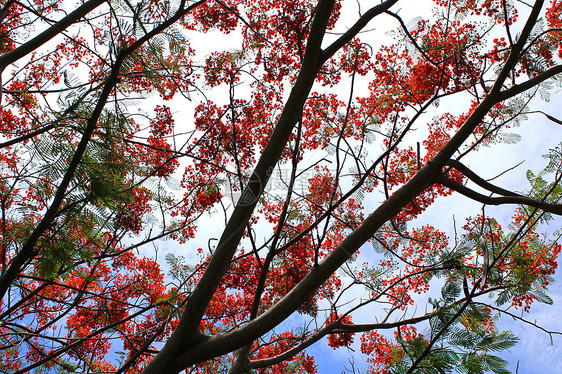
x: 178, y: 178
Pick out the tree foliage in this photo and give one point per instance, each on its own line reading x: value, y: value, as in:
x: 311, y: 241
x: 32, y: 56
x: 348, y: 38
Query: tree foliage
x: 280, y: 158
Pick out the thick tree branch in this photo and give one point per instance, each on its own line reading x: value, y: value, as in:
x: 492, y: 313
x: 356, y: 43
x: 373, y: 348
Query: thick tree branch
x: 512, y: 198
x: 478, y: 180
x: 356, y: 28
x: 187, y: 333
x: 28, y: 47
x: 533, y: 82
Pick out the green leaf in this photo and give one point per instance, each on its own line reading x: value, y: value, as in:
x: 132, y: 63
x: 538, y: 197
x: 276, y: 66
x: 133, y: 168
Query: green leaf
x: 540, y: 296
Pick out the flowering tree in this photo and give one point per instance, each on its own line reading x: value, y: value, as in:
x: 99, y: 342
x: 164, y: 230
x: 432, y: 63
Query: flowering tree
x: 309, y: 142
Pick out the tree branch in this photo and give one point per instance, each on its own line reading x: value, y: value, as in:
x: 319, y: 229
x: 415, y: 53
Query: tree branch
x: 28, y: 47
x: 478, y: 180
x: 512, y: 198
x: 356, y: 28
x: 187, y: 346
x: 341, y: 327
x: 533, y: 82
x: 28, y: 249
x: 173, y: 356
